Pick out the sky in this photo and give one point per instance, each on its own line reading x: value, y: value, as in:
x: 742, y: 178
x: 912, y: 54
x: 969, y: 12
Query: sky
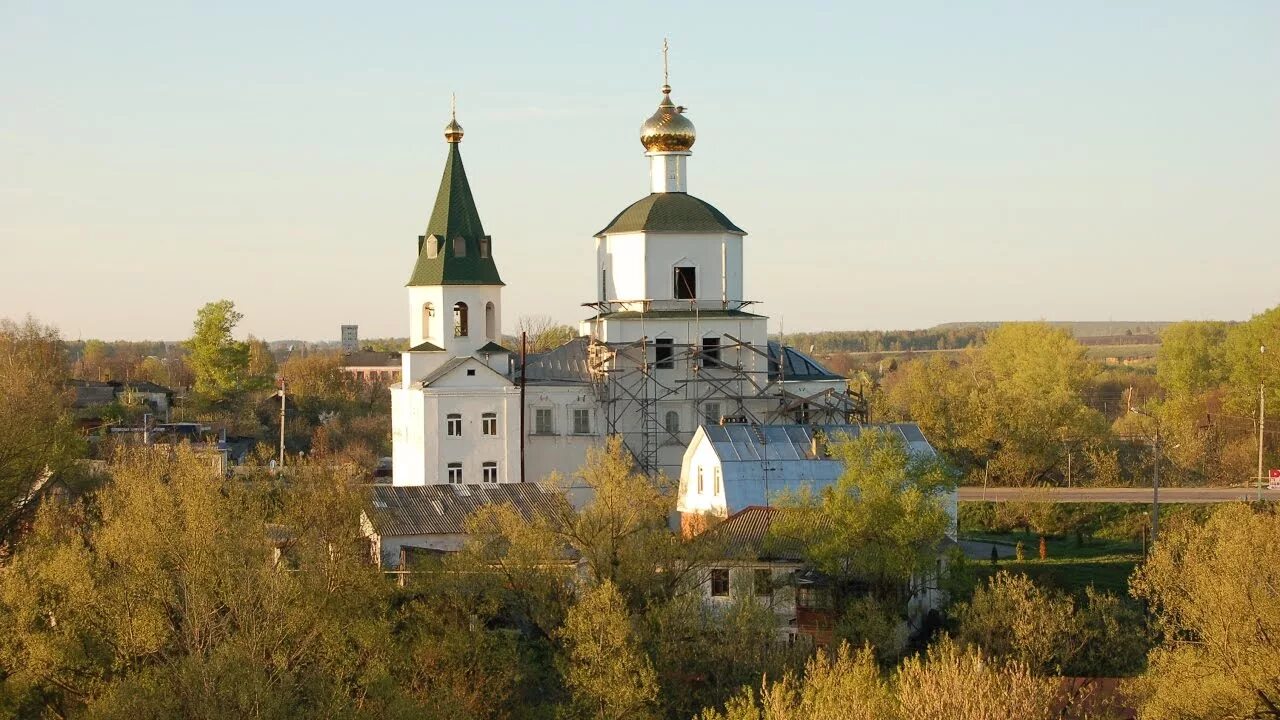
x: 896, y: 165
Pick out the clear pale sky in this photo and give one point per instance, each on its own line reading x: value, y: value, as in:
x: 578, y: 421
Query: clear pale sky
x: 897, y: 165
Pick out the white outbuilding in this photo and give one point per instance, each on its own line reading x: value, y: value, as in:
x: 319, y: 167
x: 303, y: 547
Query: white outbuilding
x: 730, y: 467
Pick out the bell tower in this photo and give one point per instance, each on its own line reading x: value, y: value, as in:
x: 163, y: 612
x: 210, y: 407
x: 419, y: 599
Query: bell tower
x: 455, y: 292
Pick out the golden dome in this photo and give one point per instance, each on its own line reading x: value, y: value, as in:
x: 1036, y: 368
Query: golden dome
x: 453, y: 131
x: 667, y: 130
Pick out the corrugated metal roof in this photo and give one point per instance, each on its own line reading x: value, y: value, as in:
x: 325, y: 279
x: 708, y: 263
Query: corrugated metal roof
x: 756, y: 443
x: 567, y: 363
x: 444, y: 509
x: 745, y: 531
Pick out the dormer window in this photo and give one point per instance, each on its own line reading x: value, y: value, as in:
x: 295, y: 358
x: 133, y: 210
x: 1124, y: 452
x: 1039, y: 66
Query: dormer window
x: 432, y: 246
x: 459, y: 247
x: 484, y: 246
x: 686, y: 283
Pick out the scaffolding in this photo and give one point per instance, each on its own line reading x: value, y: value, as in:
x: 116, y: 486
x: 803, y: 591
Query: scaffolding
x: 717, y: 380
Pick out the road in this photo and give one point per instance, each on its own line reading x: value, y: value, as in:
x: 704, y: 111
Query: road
x: 1113, y: 495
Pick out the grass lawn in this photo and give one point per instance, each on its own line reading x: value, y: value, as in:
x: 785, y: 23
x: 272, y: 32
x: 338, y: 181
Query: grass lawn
x: 1105, y: 564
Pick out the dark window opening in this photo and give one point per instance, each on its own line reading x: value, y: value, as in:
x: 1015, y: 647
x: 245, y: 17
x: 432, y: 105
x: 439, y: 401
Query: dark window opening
x: 686, y: 283
x: 720, y: 582
x: 764, y: 582
x: 460, y: 320
x: 710, y: 352
x: 459, y: 247
x: 484, y: 247
x: 664, y: 352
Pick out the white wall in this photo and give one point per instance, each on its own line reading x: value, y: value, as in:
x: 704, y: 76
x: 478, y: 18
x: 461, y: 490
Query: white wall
x: 701, y: 454
x: 439, y: 327
x: 640, y: 266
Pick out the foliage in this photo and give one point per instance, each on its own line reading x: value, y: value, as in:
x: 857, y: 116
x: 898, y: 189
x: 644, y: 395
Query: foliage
x: 1191, y: 357
x: 879, y: 524
x: 947, y: 682
x: 219, y: 361
x: 1213, y: 590
x: 542, y: 333
x: 168, y: 593
x: 38, y: 436
x: 609, y: 677
x: 1053, y: 633
x: 1010, y: 407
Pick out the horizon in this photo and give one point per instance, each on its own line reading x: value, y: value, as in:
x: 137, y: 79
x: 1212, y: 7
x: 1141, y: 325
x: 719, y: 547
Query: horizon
x: 898, y: 169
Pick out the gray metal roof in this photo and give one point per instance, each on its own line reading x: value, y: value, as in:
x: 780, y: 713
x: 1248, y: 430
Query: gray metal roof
x: 756, y: 443
x: 567, y: 363
x: 444, y: 509
x: 785, y: 362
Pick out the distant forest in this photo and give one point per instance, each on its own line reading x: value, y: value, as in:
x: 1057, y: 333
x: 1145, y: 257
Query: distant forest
x: 956, y: 336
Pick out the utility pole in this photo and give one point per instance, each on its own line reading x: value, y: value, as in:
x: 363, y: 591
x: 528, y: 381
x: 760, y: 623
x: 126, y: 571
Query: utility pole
x: 281, y: 422
x: 1262, y: 419
x: 524, y: 353
x: 1155, y: 481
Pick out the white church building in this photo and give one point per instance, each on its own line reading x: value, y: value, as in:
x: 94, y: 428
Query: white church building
x: 673, y: 341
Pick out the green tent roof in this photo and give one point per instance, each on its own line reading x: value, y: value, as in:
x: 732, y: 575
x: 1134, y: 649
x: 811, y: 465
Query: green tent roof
x: 443, y: 259
x: 671, y: 212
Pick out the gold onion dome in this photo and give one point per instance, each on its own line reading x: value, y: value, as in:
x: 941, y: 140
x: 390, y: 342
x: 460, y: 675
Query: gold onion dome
x: 453, y: 131
x: 667, y: 130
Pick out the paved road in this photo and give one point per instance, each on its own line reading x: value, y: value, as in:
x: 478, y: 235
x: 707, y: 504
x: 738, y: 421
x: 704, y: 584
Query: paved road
x: 1114, y: 495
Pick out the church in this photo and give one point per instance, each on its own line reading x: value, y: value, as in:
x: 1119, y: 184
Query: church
x: 672, y: 342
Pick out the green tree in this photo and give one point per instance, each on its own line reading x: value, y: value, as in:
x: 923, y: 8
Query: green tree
x: 845, y: 685
x: 608, y: 675
x: 1191, y: 358
x: 39, y: 440
x: 1215, y: 592
x: 168, y: 593
x: 219, y: 361
x: 876, y: 529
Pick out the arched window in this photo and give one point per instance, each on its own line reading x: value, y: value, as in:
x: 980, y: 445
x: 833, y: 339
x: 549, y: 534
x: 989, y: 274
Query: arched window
x: 428, y: 311
x: 490, y: 321
x: 672, y: 422
x: 460, y: 319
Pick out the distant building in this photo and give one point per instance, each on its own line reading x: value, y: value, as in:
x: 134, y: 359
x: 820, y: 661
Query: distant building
x: 381, y: 368
x: 350, y: 338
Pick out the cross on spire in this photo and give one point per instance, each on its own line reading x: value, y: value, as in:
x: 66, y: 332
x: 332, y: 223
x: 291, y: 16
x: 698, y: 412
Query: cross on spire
x: 666, y: 79
x: 453, y: 106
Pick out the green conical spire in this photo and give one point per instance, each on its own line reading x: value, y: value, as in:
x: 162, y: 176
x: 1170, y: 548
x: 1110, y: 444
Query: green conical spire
x: 455, y: 250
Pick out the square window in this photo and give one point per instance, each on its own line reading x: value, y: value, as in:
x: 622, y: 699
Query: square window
x: 489, y: 472
x: 471, y: 372
x: 581, y: 421
x: 719, y: 582
x: 764, y: 582
x: 711, y: 413
x: 453, y: 425
x: 664, y: 351
x: 455, y: 473
x: 543, y: 421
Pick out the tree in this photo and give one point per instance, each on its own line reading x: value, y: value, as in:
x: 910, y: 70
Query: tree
x: 1215, y: 592
x: 946, y: 682
x: 172, y: 592
x: 608, y: 675
x: 1191, y: 359
x: 958, y: 684
x: 877, y: 528
x: 845, y: 685
x: 38, y: 436
x: 543, y: 333
x: 219, y: 361
x: 1051, y: 633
